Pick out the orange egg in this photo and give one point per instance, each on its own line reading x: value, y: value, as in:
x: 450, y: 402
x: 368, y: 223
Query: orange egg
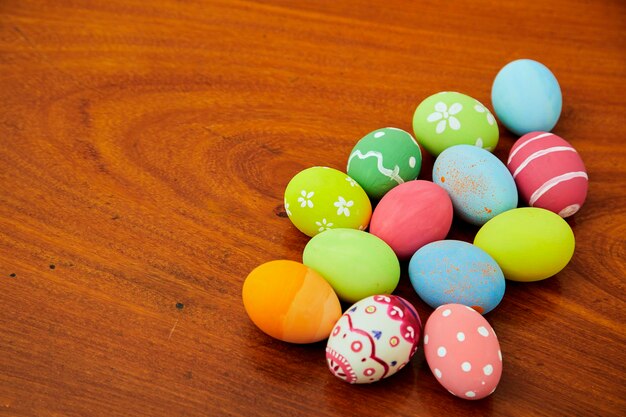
x: 291, y: 302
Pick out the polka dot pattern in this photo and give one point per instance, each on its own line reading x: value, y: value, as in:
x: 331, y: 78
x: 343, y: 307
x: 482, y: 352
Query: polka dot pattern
x: 488, y: 370
x: 463, y: 351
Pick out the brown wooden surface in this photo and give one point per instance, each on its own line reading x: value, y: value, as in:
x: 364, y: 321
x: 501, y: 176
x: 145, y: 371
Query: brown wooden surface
x: 145, y: 147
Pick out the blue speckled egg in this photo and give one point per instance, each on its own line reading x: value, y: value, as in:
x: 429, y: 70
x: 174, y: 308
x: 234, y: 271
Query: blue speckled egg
x: 479, y: 184
x: 526, y: 97
x: 451, y: 271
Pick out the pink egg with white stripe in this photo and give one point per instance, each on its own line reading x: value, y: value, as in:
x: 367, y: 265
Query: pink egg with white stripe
x: 549, y: 173
x: 462, y: 351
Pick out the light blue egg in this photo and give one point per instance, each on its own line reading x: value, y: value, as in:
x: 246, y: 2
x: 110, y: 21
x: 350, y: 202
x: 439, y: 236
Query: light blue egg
x: 478, y: 183
x: 526, y: 97
x: 451, y: 271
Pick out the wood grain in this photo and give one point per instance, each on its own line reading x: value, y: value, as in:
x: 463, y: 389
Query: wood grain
x: 145, y: 147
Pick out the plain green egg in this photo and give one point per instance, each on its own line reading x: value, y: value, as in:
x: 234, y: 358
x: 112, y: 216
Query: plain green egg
x: 355, y: 263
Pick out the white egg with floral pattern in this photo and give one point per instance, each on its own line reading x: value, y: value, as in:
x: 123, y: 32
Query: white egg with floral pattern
x: 374, y: 339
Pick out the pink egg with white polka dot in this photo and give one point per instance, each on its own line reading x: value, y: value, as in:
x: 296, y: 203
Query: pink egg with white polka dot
x: 374, y: 339
x: 462, y: 351
x: 549, y: 173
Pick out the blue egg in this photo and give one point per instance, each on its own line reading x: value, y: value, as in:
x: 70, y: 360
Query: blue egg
x: 451, y: 271
x: 526, y: 97
x: 478, y: 183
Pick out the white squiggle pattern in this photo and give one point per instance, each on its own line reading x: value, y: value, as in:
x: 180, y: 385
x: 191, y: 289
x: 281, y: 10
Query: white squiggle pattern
x: 393, y: 174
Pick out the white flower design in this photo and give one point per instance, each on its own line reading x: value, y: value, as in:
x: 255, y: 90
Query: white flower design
x: 323, y: 225
x: 305, y: 200
x: 443, y: 115
x: 286, y: 204
x: 343, y: 206
x: 482, y: 109
x: 480, y: 144
x: 351, y: 181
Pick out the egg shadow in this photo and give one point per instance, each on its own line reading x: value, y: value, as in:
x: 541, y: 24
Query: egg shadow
x: 389, y: 393
x: 426, y: 170
x: 528, y: 302
x: 437, y: 401
x: 445, y: 404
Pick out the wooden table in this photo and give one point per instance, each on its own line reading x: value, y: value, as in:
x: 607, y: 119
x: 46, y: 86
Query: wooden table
x: 145, y: 148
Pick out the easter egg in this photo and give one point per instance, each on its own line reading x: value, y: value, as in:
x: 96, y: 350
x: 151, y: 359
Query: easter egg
x: 549, y: 173
x: 462, y: 351
x: 478, y: 183
x: 319, y: 198
x: 526, y: 97
x: 412, y: 215
x: 355, y: 263
x: 290, y: 302
x: 529, y: 244
x: 383, y: 159
x: 373, y: 339
x: 447, y: 119
x: 451, y: 271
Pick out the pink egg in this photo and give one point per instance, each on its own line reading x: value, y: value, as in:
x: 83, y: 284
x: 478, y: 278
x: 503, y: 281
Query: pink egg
x: 412, y: 215
x: 549, y: 173
x: 462, y: 351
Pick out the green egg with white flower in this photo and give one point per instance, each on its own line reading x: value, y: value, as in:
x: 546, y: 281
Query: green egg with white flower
x: 447, y: 119
x: 320, y: 198
x: 383, y: 159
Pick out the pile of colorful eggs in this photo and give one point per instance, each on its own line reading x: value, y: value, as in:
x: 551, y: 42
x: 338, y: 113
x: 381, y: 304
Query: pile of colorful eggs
x: 377, y: 336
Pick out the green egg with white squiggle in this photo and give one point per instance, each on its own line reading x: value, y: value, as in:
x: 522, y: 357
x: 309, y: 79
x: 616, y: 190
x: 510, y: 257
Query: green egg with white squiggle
x: 383, y: 159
